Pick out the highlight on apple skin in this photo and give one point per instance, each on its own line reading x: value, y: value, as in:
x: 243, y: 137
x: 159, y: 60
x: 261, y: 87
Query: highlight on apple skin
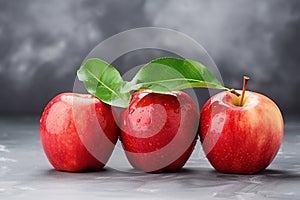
x: 241, y: 139
x: 159, y: 131
x: 78, y: 132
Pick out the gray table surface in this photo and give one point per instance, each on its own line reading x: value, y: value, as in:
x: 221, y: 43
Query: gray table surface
x: 25, y: 173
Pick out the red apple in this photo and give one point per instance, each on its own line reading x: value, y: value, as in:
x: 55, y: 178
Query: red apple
x: 242, y: 138
x: 159, y: 131
x: 78, y: 132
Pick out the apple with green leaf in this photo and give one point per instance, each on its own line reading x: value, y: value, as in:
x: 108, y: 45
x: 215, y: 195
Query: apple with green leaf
x: 240, y: 134
x: 158, y: 128
x: 79, y: 131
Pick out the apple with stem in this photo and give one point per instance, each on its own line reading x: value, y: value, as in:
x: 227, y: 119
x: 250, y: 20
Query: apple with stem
x: 159, y: 131
x: 78, y: 132
x: 240, y: 134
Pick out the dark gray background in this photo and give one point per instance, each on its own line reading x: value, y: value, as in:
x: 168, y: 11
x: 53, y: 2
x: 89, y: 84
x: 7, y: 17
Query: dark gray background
x: 42, y: 43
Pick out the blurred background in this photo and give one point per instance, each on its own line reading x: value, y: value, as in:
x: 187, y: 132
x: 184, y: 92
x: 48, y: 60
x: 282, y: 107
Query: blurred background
x: 43, y: 43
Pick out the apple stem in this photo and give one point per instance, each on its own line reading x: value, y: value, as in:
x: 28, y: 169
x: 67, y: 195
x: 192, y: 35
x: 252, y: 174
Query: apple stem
x: 246, y: 79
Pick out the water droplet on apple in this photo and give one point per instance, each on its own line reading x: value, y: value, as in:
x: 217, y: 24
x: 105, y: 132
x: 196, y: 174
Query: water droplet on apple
x: 131, y: 111
x: 148, y: 121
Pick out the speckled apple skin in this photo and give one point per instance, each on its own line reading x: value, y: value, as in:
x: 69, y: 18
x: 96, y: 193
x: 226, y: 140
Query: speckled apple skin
x: 159, y: 131
x: 240, y: 139
x: 78, y: 132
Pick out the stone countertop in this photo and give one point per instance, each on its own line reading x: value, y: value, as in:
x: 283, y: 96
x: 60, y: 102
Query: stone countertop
x: 25, y: 173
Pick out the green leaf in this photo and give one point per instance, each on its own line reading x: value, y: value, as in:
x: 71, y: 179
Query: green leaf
x: 104, y: 81
x: 168, y: 74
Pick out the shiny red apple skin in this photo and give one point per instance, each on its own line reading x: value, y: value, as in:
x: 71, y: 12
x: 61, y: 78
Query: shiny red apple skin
x: 159, y: 131
x: 78, y: 132
x: 240, y: 139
